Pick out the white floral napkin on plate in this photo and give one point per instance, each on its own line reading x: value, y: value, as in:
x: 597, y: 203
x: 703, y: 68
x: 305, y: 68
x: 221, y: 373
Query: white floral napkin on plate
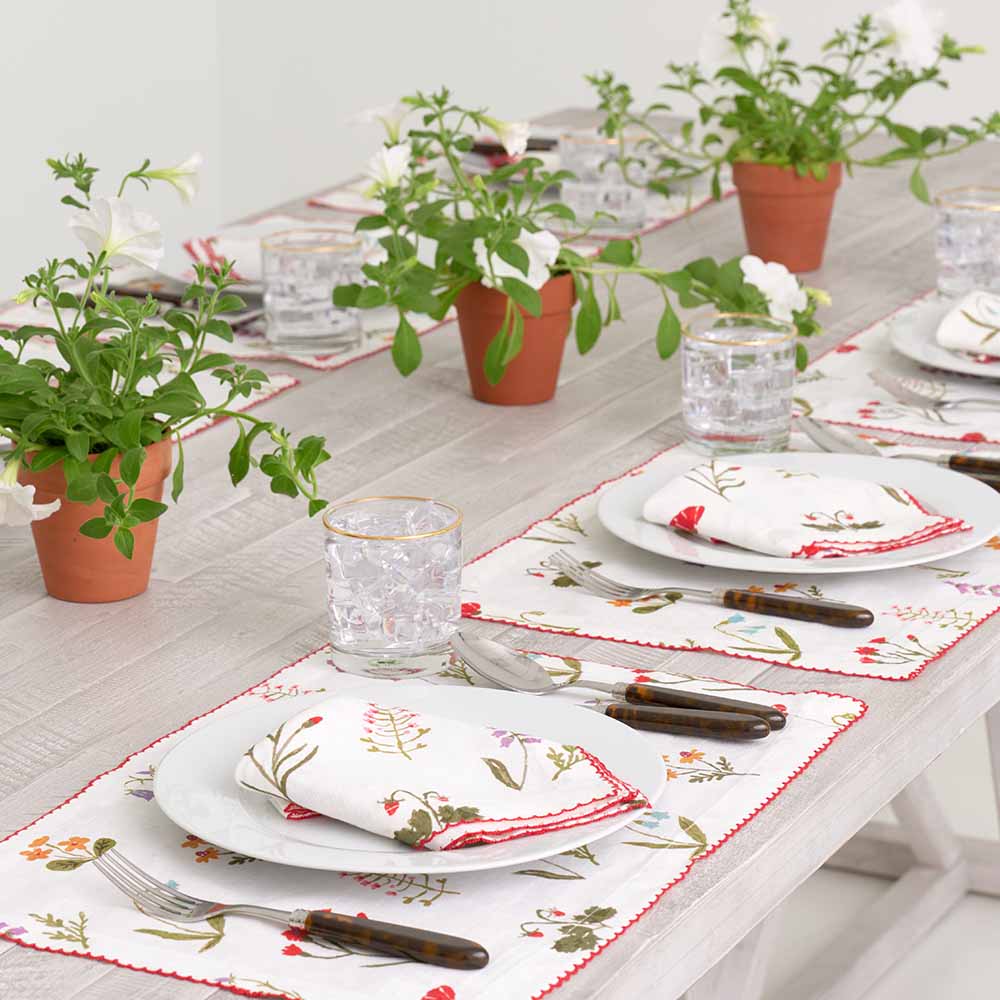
x: 427, y: 780
x: 972, y: 325
x: 797, y: 515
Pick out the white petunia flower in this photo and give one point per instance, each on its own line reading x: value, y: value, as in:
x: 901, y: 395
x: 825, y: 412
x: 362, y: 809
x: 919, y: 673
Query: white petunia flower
x: 126, y: 234
x: 184, y: 176
x: 513, y: 136
x: 542, y: 249
x: 777, y: 284
x: 913, y: 31
x: 390, y: 165
x: 390, y: 116
x: 717, y: 49
x: 17, y: 503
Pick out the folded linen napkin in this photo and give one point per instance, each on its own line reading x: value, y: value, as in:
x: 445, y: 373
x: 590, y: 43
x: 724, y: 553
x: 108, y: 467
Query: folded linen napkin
x: 798, y: 515
x: 972, y: 325
x: 427, y: 780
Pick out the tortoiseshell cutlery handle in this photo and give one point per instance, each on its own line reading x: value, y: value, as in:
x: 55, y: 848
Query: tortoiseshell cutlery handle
x: 810, y: 610
x: 429, y: 947
x: 987, y: 469
x: 682, y: 722
x: 651, y: 694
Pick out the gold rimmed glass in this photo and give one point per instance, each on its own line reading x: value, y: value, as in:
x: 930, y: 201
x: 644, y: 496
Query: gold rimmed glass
x: 394, y: 568
x: 301, y: 268
x: 600, y: 188
x: 738, y: 376
x: 968, y: 239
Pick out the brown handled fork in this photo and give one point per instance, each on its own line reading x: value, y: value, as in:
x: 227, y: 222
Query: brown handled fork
x: 159, y: 900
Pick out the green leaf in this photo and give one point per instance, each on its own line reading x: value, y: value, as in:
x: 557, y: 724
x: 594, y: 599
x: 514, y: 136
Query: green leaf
x: 239, y: 458
x: 419, y: 827
x: 371, y: 296
x: 668, y: 332
x: 65, y: 864
x: 406, y: 350
x: 129, y: 429
x: 514, y: 255
x: 176, y: 935
x: 499, y: 771
x: 102, y: 845
x: 919, y: 186
x: 220, y: 328
x: 346, y: 296
x: 82, y: 489
x: 315, y: 506
x: 621, y: 253
x: 146, y: 510
x: 576, y: 939
x: 284, y: 485
x: 177, y: 480
x: 211, y: 361
x: 131, y: 465
x: 107, y: 489
x: 704, y: 269
x: 370, y: 222
x: 801, y: 356
x: 47, y: 457
x: 541, y: 873
x: 691, y: 828
x: 596, y: 914
x: 308, y: 451
x: 229, y: 303
x: 523, y: 294
x: 96, y: 527
x: 78, y: 444
x: 588, y: 322
x: 125, y: 542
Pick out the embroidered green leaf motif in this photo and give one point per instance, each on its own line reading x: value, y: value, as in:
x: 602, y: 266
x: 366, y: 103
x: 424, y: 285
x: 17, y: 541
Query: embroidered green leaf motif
x: 102, y: 845
x: 787, y: 639
x: 691, y: 828
x: 575, y: 937
x: 457, y: 814
x: 540, y: 873
x: 66, y: 864
x: 596, y: 914
x: 564, y: 581
x: 499, y: 771
x: 419, y: 828
x: 895, y: 494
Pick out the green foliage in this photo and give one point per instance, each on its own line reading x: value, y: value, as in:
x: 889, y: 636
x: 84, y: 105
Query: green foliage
x: 768, y: 108
x: 125, y: 382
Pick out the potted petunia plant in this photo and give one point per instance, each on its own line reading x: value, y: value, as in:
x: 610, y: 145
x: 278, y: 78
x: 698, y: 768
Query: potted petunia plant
x: 482, y: 244
x: 788, y: 129
x: 94, y: 403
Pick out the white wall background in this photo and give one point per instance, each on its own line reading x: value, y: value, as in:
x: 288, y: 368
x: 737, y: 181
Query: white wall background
x: 264, y: 89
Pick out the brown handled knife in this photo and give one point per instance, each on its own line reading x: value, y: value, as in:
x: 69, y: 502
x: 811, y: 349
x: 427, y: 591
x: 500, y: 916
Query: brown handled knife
x: 812, y: 610
x: 684, y: 722
x: 429, y: 947
x: 652, y: 694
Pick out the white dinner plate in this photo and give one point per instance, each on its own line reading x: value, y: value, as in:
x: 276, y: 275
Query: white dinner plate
x: 195, y: 784
x: 914, y: 335
x: 939, y: 489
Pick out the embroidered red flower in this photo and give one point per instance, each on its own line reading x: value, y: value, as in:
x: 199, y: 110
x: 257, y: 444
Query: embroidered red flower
x: 296, y: 812
x: 845, y: 348
x: 470, y: 610
x: 439, y: 993
x: 291, y: 949
x: 865, y: 650
x: 558, y: 913
x: 912, y: 638
x: 687, y: 519
x: 881, y: 638
x: 294, y: 934
x: 973, y: 436
x: 533, y: 934
x: 390, y: 805
x: 541, y: 576
x: 312, y: 722
x: 868, y: 659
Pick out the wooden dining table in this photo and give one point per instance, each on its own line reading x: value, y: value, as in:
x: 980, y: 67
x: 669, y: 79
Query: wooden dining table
x: 238, y: 588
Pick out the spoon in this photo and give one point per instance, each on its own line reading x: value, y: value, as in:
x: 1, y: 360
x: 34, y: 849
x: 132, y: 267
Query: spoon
x: 648, y: 707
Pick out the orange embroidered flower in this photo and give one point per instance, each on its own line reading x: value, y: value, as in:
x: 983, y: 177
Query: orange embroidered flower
x: 671, y: 774
x: 994, y: 542
x: 688, y: 756
x: 755, y: 589
x: 782, y: 587
x: 619, y: 604
x: 36, y: 854
x: 38, y: 841
x: 75, y: 843
x: 209, y: 854
x: 192, y: 841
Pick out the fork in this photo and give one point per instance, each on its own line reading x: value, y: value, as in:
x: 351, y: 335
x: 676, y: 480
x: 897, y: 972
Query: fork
x: 908, y: 393
x: 156, y: 899
x: 807, y: 609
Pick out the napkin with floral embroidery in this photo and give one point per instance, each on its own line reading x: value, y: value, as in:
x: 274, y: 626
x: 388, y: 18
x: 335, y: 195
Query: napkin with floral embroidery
x: 972, y: 325
x: 427, y: 780
x: 798, y: 515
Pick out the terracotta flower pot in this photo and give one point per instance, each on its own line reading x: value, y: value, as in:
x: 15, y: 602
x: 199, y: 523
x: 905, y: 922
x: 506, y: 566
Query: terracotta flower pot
x: 92, y: 570
x: 786, y: 217
x: 531, y: 377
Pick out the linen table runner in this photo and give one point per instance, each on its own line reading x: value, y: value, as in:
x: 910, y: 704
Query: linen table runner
x: 920, y: 611
x: 540, y: 921
x: 836, y: 386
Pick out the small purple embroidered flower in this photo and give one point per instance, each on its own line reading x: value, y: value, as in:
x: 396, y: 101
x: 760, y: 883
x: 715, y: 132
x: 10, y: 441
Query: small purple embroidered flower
x: 141, y: 793
x: 8, y: 931
x: 506, y: 737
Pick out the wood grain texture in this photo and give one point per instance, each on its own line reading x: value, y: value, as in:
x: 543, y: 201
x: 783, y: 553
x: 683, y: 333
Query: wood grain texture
x: 238, y: 590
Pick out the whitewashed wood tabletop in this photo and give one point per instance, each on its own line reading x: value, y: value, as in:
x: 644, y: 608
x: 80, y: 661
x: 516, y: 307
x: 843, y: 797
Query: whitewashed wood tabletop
x: 238, y: 590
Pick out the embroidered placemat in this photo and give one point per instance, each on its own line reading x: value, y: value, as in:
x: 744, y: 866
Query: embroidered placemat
x: 836, y: 386
x: 541, y: 922
x: 925, y: 611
